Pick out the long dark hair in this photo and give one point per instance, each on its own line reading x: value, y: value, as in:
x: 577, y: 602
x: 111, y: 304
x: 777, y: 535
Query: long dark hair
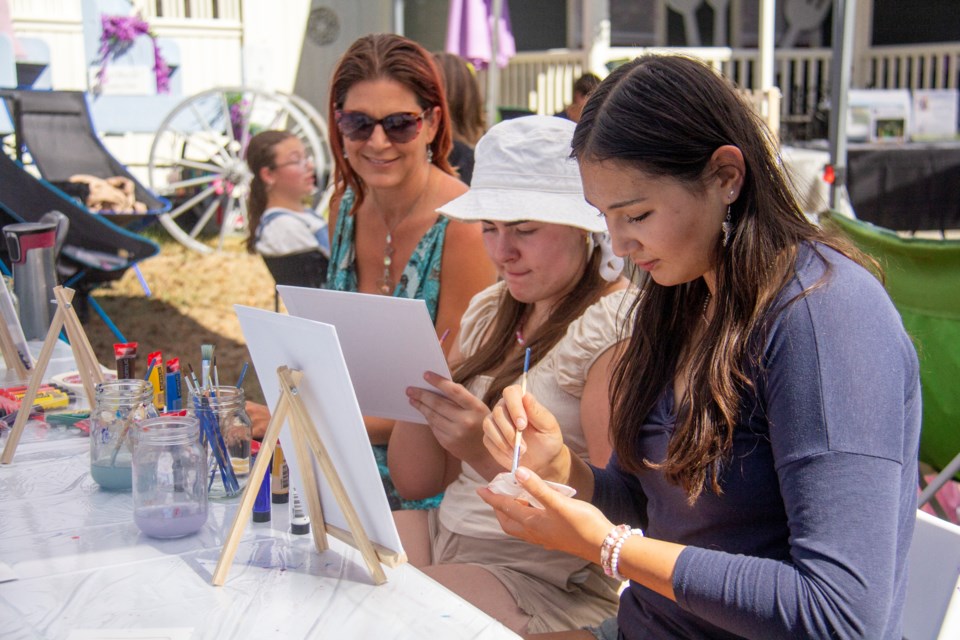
x: 665, y: 116
x: 261, y: 152
x: 385, y: 55
x: 490, y: 359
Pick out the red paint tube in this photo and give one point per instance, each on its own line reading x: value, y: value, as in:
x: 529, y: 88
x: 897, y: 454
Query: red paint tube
x: 126, y: 355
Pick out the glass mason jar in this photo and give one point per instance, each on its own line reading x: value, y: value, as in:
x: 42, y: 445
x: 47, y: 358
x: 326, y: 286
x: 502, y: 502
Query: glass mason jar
x: 169, y: 477
x: 119, y: 406
x: 226, y: 429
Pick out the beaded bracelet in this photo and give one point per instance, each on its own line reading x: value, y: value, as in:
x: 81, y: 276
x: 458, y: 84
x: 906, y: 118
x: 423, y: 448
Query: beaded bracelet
x: 607, y: 547
x: 615, y: 554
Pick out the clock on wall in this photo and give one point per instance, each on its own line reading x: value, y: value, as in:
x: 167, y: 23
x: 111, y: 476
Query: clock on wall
x: 323, y: 26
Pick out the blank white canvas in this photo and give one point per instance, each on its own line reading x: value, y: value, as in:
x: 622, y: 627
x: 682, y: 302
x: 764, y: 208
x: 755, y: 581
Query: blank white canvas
x: 276, y: 340
x: 388, y: 344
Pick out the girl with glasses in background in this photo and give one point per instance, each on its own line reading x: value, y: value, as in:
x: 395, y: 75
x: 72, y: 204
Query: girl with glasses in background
x: 283, y: 181
x: 390, y: 140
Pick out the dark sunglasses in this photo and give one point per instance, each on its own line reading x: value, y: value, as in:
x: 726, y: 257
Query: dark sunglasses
x: 399, y: 127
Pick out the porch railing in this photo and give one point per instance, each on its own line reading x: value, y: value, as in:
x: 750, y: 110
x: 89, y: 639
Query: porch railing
x: 542, y: 81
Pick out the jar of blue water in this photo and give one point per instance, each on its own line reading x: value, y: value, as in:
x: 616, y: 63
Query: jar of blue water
x: 118, y: 407
x: 169, y: 477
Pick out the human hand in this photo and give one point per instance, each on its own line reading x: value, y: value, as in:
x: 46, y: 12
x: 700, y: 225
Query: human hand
x: 564, y: 524
x: 542, y: 447
x: 259, y: 415
x: 454, y: 415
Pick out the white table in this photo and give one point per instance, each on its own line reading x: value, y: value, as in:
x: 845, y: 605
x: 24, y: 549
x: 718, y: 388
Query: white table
x: 83, y: 570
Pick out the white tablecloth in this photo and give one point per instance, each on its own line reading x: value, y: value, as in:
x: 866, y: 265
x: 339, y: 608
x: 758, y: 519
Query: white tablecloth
x: 83, y: 570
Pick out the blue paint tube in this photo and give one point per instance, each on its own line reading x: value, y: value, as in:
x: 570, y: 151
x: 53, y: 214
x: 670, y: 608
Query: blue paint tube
x: 261, y: 506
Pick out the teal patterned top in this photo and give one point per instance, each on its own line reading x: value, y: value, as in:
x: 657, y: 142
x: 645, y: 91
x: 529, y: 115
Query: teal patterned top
x: 420, y: 280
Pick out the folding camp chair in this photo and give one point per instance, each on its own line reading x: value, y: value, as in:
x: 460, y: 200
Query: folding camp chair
x: 56, y: 129
x: 306, y: 269
x: 923, y: 279
x: 94, y: 251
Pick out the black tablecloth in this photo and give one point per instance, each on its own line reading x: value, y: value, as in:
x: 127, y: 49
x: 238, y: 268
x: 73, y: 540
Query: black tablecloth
x: 908, y: 187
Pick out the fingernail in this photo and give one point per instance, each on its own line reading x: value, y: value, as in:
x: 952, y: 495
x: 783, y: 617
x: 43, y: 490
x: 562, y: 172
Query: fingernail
x: 521, y: 423
x: 523, y: 473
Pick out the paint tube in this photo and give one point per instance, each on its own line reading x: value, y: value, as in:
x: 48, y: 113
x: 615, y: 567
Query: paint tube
x: 299, y: 522
x: 261, y: 506
x: 174, y: 385
x: 280, y: 482
x: 126, y: 355
x: 157, y: 379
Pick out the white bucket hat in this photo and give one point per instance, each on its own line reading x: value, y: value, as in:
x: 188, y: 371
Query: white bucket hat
x: 523, y: 171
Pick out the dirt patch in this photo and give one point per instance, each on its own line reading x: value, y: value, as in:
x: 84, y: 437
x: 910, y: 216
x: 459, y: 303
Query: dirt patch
x: 191, y: 305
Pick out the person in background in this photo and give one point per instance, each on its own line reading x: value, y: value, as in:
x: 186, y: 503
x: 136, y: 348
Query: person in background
x: 466, y: 110
x: 766, y: 413
x: 582, y: 88
x: 390, y: 137
x: 283, y: 180
x: 562, y: 296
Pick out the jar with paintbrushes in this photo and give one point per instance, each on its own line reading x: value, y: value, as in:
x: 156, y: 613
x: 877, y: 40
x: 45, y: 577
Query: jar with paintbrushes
x: 119, y: 406
x: 227, y: 431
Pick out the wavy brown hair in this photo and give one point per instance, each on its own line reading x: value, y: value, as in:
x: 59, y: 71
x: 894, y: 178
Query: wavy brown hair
x: 261, y: 152
x: 497, y: 355
x: 665, y: 116
x: 385, y: 55
x: 463, y: 97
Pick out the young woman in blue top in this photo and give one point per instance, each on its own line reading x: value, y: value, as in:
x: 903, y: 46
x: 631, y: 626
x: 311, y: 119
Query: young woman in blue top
x: 390, y: 140
x: 766, y: 415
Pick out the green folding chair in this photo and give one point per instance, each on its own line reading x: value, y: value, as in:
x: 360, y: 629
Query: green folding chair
x: 923, y: 279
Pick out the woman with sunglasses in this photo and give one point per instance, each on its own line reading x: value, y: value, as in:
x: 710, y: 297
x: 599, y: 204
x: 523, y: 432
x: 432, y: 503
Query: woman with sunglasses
x: 766, y: 413
x: 391, y: 141
x: 283, y: 179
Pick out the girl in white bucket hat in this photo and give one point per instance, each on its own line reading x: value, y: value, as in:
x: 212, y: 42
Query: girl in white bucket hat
x: 562, y: 295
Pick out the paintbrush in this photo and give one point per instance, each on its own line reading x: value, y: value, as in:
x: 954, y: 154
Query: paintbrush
x: 518, y: 438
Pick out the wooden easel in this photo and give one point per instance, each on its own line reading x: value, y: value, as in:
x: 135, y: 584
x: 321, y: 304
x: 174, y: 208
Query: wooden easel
x: 306, y: 441
x: 90, y: 373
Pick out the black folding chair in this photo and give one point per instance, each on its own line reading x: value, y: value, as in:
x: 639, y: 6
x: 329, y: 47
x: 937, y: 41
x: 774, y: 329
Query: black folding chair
x: 306, y: 269
x: 95, y: 250
x: 56, y: 129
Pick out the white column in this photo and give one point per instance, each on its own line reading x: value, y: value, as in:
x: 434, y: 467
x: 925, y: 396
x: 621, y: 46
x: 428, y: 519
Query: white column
x: 493, y: 71
x: 596, y: 36
x: 764, y: 79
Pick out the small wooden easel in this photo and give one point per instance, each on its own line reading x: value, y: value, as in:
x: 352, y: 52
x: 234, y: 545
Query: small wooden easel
x: 90, y: 373
x: 306, y: 441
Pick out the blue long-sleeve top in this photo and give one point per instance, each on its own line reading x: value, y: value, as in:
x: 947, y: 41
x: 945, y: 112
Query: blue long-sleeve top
x: 810, y: 535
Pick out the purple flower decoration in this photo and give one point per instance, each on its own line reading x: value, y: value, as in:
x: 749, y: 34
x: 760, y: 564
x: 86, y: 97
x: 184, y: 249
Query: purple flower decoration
x: 116, y: 36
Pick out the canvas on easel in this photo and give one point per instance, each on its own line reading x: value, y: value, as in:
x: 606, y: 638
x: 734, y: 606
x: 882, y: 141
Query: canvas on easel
x: 13, y: 343
x: 90, y: 373
x: 321, y: 417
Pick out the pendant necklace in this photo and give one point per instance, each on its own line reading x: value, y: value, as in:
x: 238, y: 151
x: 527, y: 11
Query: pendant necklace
x: 386, y: 284
x: 706, y: 303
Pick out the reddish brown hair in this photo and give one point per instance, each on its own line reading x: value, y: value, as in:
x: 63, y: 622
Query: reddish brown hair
x: 385, y: 55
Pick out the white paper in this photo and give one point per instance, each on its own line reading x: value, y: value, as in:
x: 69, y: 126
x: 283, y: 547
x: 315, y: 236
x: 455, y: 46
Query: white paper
x: 7, y: 573
x: 276, y: 340
x: 131, y: 634
x: 388, y: 344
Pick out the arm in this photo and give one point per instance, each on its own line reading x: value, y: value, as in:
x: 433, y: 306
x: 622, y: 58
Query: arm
x: 465, y: 271
x: 595, y: 407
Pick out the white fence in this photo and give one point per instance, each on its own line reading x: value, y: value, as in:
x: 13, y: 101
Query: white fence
x: 542, y: 81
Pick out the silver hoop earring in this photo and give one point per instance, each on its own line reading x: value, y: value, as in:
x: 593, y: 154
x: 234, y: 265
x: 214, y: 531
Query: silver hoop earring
x: 345, y: 154
x: 727, y: 228
x: 429, y: 155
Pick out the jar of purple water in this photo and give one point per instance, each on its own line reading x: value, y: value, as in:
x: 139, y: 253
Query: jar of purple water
x: 169, y: 477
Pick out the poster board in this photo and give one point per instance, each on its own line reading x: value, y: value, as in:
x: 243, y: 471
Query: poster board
x: 878, y: 115
x: 276, y: 340
x: 934, y: 114
x: 388, y: 344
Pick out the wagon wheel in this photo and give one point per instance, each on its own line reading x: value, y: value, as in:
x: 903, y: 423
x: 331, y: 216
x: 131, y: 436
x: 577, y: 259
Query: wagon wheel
x: 196, y: 159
